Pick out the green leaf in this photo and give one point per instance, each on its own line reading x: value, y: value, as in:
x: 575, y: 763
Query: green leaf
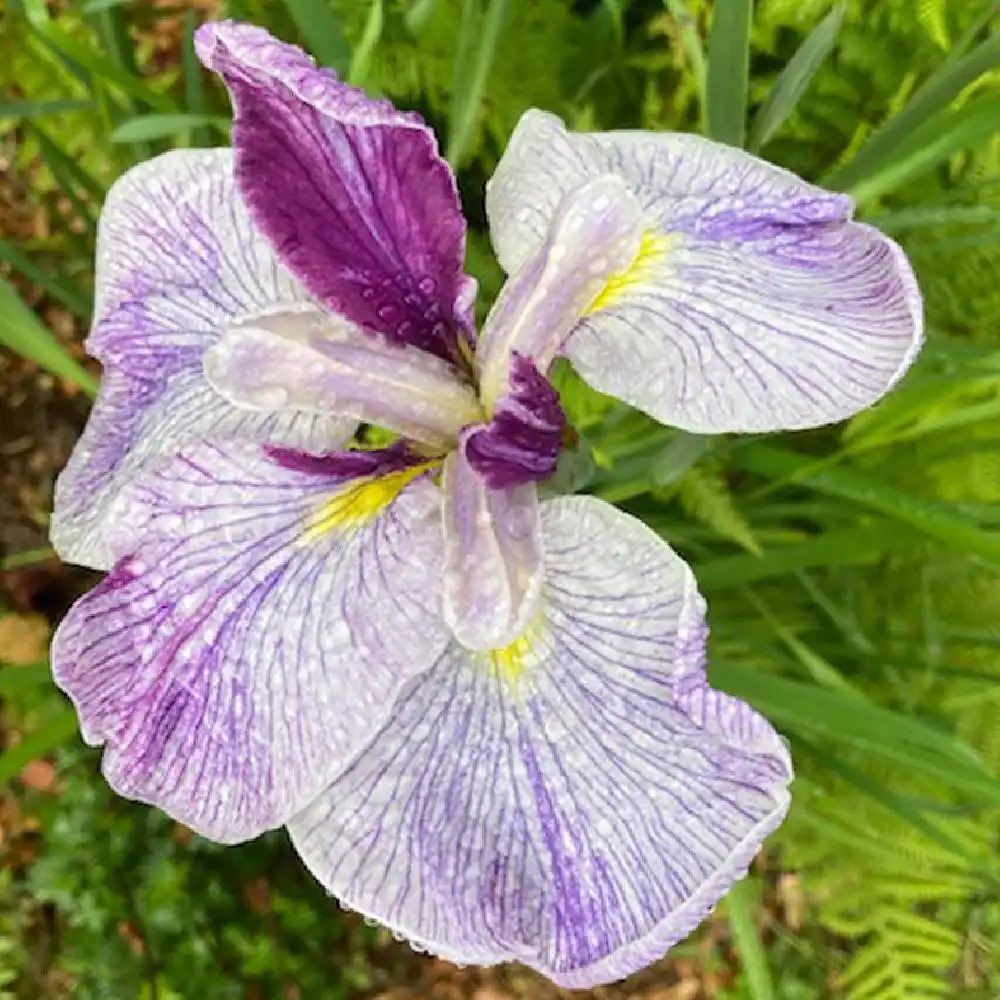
x: 938, y: 91
x: 937, y: 520
x: 39, y: 109
x: 27, y: 557
x: 14, y: 680
x: 931, y: 144
x: 728, y: 71
x: 795, y: 707
x: 322, y: 31
x: 886, y: 798
x: 695, y: 50
x: 832, y: 548
x: 419, y: 14
x: 795, y: 79
x: 97, y: 6
x: 194, y: 84
x: 61, y: 163
x: 683, y: 451
x: 103, y: 69
x: 472, y: 73
x: 360, y: 63
x: 742, y: 903
x: 927, y: 216
x: 56, y: 731
x: 23, y: 332
x: 144, y: 128
x: 48, y: 280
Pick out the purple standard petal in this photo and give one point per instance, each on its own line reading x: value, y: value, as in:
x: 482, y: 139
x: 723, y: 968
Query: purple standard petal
x: 578, y: 801
x: 752, y: 303
x: 178, y: 262
x: 522, y: 441
x: 312, y: 361
x: 263, y: 613
x: 352, y: 192
x: 493, y: 556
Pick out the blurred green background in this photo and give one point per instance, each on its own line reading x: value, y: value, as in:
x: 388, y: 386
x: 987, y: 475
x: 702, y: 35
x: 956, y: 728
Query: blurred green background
x: 852, y: 573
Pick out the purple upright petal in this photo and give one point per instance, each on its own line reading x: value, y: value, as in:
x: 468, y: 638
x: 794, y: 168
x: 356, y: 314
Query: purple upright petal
x: 579, y: 801
x: 351, y: 192
x: 522, y: 441
x: 262, y: 615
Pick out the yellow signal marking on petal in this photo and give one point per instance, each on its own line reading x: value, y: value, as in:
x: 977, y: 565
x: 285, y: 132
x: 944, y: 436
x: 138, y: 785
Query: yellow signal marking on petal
x: 653, y: 247
x: 360, y: 501
x: 510, y: 661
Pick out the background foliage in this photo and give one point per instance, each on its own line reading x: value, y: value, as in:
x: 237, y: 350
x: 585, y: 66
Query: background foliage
x: 852, y: 573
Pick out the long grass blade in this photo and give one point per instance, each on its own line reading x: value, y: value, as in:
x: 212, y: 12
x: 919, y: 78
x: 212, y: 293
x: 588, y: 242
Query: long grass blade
x: 361, y: 60
x: 55, y: 154
x: 322, y: 31
x: 795, y: 79
x: 852, y: 546
x: 935, y: 95
x: 932, y: 144
x: 886, y: 798
x: 40, y: 109
x: 24, y: 333
x: 942, y: 521
x: 695, y: 51
x: 194, y: 83
x: 144, y: 128
x: 904, y: 739
x: 75, y: 299
x: 418, y: 14
x: 729, y: 71
x: 104, y: 70
x: 472, y: 73
x: 741, y: 906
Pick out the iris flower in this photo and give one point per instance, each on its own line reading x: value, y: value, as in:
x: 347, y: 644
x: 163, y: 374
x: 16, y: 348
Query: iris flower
x: 483, y: 718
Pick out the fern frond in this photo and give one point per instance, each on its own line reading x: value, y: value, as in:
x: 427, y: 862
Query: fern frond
x: 705, y: 496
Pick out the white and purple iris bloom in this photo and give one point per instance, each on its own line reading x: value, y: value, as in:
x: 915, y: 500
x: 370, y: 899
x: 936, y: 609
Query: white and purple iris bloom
x: 484, y: 719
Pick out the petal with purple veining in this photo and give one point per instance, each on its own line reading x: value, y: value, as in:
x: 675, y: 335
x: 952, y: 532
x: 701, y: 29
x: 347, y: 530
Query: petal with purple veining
x: 493, y: 556
x: 312, y: 361
x: 264, y: 610
x: 752, y: 303
x: 580, y: 804
x: 135, y: 421
x: 178, y: 262
x: 596, y: 233
x: 351, y: 192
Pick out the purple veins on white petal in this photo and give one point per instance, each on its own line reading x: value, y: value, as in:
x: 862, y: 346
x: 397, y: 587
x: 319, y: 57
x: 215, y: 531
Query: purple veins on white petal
x: 582, y: 819
x: 314, y: 362
x: 219, y: 662
x: 493, y: 564
x: 766, y: 307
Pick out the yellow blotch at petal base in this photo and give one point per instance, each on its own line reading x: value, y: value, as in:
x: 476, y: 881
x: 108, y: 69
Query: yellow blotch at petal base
x: 510, y: 662
x: 360, y: 501
x: 653, y: 247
